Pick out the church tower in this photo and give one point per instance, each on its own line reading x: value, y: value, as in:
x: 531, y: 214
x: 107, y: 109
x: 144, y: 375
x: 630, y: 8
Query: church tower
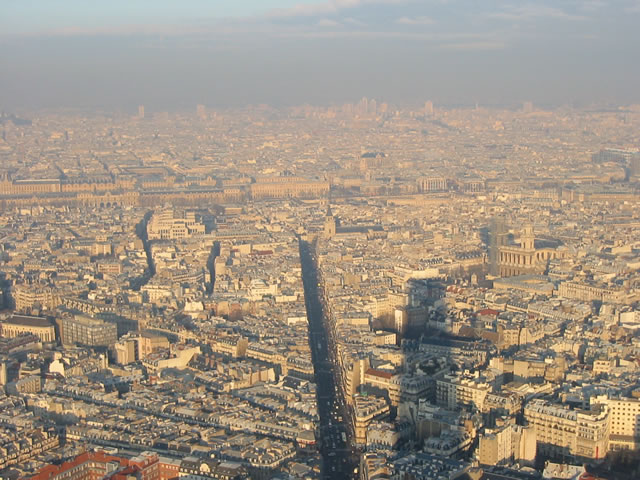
x: 528, y: 239
x: 330, y: 223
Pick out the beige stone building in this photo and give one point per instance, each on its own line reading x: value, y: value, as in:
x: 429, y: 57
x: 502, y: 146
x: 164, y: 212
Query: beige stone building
x: 397, y: 387
x: 234, y: 346
x: 367, y: 409
x: 527, y: 258
x: 27, y: 297
x: 590, y: 292
x: 432, y: 184
x: 453, y: 392
x: 507, y: 444
x: 24, y: 324
x: 173, y: 224
x: 624, y: 431
x: 288, y: 187
x: 138, y: 347
x: 561, y: 432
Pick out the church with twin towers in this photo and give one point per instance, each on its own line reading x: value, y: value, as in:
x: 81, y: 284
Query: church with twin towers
x: 529, y: 256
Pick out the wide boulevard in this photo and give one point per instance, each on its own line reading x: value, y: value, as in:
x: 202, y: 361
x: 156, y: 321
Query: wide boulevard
x: 339, y: 461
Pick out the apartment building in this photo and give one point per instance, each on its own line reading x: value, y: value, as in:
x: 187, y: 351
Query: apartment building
x: 562, y: 432
x: 456, y: 391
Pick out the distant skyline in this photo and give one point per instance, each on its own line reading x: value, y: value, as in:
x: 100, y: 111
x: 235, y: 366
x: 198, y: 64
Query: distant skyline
x: 173, y: 55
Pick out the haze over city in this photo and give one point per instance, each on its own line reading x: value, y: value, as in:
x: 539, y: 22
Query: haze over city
x: 172, y: 55
x: 319, y: 240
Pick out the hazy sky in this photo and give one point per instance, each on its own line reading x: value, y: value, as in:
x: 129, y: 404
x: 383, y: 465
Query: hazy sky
x: 171, y: 54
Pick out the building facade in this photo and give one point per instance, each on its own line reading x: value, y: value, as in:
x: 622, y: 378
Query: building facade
x: 565, y: 433
x: 25, y: 324
x: 624, y: 431
x: 526, y: 258
x: 88, y: 331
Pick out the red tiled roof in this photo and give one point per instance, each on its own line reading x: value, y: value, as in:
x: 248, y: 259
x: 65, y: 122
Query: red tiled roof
x: 378, y: 373
x: 52, y: 470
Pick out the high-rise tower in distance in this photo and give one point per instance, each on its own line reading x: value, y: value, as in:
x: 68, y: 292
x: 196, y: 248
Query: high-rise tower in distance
x: 428, y: 108
x: 201, y: 112
x: 140, y: 111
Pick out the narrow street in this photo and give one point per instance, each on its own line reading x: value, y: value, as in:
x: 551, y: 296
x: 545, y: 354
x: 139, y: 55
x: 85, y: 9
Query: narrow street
x: 150, y: 271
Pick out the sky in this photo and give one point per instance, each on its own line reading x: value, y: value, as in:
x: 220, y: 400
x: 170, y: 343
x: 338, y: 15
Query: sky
x: 169, y: 54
